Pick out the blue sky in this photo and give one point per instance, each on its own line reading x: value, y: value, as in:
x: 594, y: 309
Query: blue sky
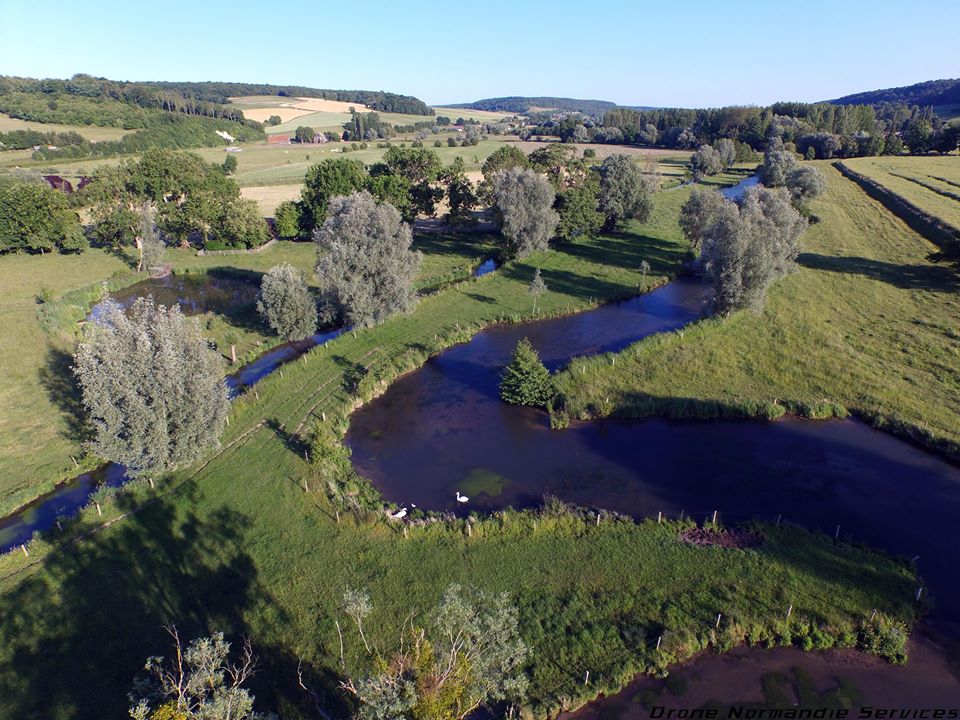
x: 692, y: 53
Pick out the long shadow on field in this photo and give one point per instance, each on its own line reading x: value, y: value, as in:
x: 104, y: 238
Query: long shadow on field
x: 353, y: 372
x: 74, y: 633
x: 627, y: 250
x: 909, y: 277
x: 64, y: 392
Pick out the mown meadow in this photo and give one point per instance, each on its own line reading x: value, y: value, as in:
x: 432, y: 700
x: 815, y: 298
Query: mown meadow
x: 249, y: 542
x: 867, y: 324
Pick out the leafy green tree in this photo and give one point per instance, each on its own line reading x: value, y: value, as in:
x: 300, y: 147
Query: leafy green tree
x: 36, y: 218
x: 506, y: 157
x: 286, y: 304
x: 152, y: 247
x: 393, y: 189
x: 577, y: 206
x: 274, y: 120
x: 893, y: 145
x: 461, y: 198
x: 152, y: 388
x: 728, y: 152
x: 524, y: 208
x: 805, y: 182
x: 553, y: 160
x: 778, y: 162
x: 537, y: 288
x: 286, y: 219
x: 365, y: 267
x: 193, y: 199
x: 698, y: 214
x: 644, y: 269
x: 304, y: 134
x: 239, y: 223
x: 919, y: 137
x: 229, y: 164
x: 625, y: 192
x: 199, y: 683
x: 328, y: 179
x: 525, y: 380
x: 469, y: 655
x: 705, y: 161
x: 751, y: 246
x: 421, y: 168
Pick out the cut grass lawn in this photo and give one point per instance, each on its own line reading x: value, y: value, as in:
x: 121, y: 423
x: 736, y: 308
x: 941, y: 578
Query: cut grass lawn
x: 238, y: 545
x: 38, y: 421
x: 932, y: 184
x: 867, y: 321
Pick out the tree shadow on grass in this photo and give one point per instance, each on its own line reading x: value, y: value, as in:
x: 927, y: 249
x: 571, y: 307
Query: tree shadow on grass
x: 293, y: 443
x: 908, y: 277
x: 56, y: 377
x: 76, y: 631
x: 353, y: 372
x: 627, y: 250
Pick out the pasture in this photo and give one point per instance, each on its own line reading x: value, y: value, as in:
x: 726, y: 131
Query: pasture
x: 248, y: 543
x: 868, y: 320
x: 38, y: 411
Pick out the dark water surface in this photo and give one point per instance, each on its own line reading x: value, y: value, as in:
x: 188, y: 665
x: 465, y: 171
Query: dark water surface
x: 442, y: 430
x: 195, y: 294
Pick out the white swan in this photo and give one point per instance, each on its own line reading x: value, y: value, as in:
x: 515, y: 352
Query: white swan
x: 399, y: 514
x: 462, y: 498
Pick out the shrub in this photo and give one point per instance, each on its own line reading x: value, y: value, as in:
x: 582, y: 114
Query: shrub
x: 286, y: 304
x: 286, y: 219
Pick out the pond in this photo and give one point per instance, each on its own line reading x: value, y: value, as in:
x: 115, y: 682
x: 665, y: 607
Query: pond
x: 226, y: 294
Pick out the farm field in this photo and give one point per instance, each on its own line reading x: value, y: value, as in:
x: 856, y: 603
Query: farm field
x: 239, y: 543
x: 932, y: 184
x: 867, y: 321
x: 331, y: 114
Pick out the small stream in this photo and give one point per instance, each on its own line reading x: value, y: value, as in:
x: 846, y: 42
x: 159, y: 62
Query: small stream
x: 226, y: 294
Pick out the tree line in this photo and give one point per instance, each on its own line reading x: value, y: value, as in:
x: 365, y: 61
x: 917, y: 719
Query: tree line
x: 854, y: 130
x: 193, y: 201
x: 211, y: 99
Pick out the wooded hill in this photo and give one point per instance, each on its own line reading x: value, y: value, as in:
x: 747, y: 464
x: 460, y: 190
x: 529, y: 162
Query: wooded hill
x: 931, y: 92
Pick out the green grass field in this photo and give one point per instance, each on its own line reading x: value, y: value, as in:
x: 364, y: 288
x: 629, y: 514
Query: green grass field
x: 237, y: 544
x: 930, y: 183
x: 90, y: 132
x: 867, y: 321
x: 38, y: 431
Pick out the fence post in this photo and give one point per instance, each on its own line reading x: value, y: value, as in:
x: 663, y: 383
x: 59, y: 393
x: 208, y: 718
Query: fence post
x: 24, y: 548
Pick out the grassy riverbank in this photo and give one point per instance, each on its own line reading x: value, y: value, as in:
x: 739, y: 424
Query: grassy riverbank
x: 249, y: 543
x: 39, y: 431
x: 867, y: 322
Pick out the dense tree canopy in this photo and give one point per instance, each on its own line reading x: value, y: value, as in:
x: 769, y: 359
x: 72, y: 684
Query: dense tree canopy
x: 325, y: 180
x: 705, y: 161
x: 750, y: 246
x: 698, y: 214
x: 286, y: 304
x: 524, y: 207
x: 152, y: 388
x: 365, y: 266
x: 469, y: 654
x: 194, y: 201
x: 624, y: 191
x: 35, y: 217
